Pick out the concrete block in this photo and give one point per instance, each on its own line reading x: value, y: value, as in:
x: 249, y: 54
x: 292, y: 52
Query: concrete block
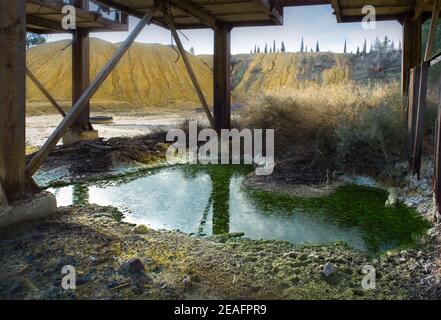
x: 74, y: 136
x: 39, y: 206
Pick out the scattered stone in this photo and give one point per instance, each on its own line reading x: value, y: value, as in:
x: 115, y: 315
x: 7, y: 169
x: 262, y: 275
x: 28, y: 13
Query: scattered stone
x: 134, y: 266
x: 84, y: 279
x: 329, y: 269
x: 393, y: 198
x: 291, y: 254
x: 187, y: 283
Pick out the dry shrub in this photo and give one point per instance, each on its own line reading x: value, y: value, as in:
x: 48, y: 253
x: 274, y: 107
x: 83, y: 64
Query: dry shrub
x: 298, y: 128
x: 346, y: 124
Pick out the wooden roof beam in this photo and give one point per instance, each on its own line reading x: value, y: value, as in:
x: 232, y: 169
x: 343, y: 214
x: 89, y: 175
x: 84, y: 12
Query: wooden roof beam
x: 337, y: 11
x: 419, y: 8
x: 195, y: 12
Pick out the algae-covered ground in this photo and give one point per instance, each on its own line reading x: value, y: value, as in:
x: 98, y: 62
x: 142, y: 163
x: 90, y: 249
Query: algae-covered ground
x: 180, y: 266
x: 352, y: 206
x: 116, y: 260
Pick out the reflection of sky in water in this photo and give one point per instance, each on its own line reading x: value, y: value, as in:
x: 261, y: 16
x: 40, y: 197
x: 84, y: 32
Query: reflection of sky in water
x: 172, y: 199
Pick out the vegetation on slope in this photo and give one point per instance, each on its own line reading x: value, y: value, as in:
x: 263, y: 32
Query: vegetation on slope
x: 149, y: 76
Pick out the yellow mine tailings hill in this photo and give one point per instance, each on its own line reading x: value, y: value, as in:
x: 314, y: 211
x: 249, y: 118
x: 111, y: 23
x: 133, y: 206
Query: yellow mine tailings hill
x: 149, y: 76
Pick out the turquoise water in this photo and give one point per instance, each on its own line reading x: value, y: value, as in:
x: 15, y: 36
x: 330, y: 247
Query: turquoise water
x: 210, y: 200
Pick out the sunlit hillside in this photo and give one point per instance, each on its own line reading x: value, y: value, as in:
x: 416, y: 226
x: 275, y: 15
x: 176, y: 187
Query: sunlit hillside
x: 147, y: 76
x: 152, y: 76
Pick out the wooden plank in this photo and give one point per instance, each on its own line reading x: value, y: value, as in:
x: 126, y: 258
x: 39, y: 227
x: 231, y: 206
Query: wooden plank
x: 48, y: 15
x: 433, y: 28
x: 419, y: 8
x: 12, y: 98
x: 45, y: 150
x: 337, y: 10
x: 437, y: 164
x: 45, y: 92
x: 411, y: 54
x: 412, y: 109
x: 419, y: 131
x: 222, y: 77
x: 190, y: 71
x: 193, y: 11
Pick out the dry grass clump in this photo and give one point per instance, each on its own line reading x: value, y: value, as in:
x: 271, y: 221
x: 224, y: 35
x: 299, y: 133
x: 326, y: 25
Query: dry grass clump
x: 339, y: 125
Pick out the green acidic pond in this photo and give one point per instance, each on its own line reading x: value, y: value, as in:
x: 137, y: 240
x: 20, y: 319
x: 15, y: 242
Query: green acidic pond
x: 210, y: 200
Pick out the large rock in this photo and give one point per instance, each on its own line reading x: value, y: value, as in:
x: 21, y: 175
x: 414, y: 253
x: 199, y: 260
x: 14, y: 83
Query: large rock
x: 329, y: 269
x: 392, y: 200
x: 133, y: 267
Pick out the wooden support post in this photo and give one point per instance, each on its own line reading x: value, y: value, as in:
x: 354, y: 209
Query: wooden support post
x: 424, y: 78
x: 45, y: 92
x: 420, y: 114
x: 437, y: 165
x: 414, y: 90
x: 187, y: 64
x: 12, y: 98
x: 80, y: 72
x: 411, y: 55
x: 45, y: 150
x: 222, y: 77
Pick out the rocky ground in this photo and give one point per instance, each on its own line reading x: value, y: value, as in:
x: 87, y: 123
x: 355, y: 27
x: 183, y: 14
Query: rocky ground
x: 115, y: 260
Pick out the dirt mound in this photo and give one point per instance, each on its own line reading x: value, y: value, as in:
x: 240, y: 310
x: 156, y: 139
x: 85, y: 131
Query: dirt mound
x: 147, y: 76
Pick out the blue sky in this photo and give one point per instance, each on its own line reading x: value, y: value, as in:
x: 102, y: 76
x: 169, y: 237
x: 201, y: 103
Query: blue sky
x: 313, y: 23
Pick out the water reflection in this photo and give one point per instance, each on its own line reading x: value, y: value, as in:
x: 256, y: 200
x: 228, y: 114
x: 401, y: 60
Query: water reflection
x: 210, y: 200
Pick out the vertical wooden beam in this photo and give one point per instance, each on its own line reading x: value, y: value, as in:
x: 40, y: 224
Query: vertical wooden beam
x: 411, y: 55
x: 419, y: 131
x: 12, y: 98
x: 222, y: 77
x: 414, y: 90
x: 81, y: 71
x: 52, y: 141
x: 437, y: 164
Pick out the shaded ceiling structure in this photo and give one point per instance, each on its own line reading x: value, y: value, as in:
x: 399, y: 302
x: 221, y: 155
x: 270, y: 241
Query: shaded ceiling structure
x: 45, y: 16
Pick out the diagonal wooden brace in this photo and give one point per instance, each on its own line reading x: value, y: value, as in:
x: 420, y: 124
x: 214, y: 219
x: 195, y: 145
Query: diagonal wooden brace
x: 420, y: 114
x: 50, y: 144
x: 45, y: 92
x: 190, y: 71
